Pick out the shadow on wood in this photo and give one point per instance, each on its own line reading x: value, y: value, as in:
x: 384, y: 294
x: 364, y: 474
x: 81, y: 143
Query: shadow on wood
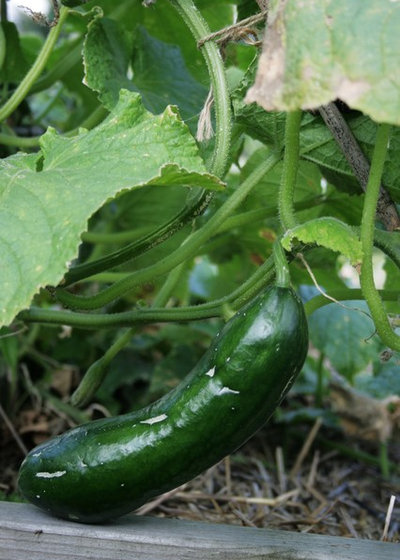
x: 28, y: 533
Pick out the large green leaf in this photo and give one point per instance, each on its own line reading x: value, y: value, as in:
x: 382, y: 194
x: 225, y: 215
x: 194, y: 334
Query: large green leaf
x: 47, y: 199
x: 316, y: 52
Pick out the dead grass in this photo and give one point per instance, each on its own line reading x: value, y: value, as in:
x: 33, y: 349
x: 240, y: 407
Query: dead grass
x: 321, y: 492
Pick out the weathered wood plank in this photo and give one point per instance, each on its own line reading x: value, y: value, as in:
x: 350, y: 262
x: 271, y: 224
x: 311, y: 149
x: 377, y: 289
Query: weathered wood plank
x: 27, y: 533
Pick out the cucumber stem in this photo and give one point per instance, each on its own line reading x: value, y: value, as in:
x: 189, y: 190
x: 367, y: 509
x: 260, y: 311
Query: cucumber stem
x: 282, y: 279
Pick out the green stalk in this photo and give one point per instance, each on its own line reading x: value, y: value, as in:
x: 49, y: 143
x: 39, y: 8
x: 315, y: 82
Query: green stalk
x: 199, y: 28
x: 26, y: 84
x: 97, y: 372
x: 282, y: 277
x: 186, y: 251
x: 140, y: 246
x: 239, y: 297
x: 236, y: 221
x: 3, y: 46
x: 19, y: 141
x: 60, y: 68
x: 371, y: 294
x: 289, y: 172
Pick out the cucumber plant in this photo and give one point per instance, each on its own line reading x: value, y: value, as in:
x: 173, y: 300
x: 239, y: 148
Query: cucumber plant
x: 125, y: 198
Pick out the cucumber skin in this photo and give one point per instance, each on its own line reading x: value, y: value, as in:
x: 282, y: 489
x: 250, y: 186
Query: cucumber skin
x: 109, y: 467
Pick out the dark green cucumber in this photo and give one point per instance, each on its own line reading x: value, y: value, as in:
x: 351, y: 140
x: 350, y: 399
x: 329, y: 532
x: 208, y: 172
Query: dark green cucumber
x: 109, y: 467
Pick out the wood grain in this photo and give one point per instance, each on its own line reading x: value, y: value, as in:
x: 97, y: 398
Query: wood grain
x: 27, y: 533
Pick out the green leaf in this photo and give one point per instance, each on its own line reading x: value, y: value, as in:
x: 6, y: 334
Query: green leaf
x: 382, y: 385
x: 159, y: 71
x: 106, y: 54
x: 47, y: 199
x: 343, y: 335
x: 316, y: 52
x: 15, y: 65
x: 162, y: 78
x: 327, y: 232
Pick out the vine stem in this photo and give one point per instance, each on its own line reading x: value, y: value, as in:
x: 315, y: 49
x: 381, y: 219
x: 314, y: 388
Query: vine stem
x: 3, y: 46
x: 239, y: 297
x: 27, y: 83
x: 370, y: 293
x: 289, y: 172
x: 199, y: 28
x: 185, y: 251
x: 19, y: 141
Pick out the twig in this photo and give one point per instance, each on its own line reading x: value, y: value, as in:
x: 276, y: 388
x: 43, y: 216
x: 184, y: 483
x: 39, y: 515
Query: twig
x: 13, y: 431
x: 306, y: 447
x: 225, y: 34
x: 146, y: 508
x: 388, y: 518
x: 240, y: 499
x: 386, y: 209
x: 348, y: 522
x: 313, y: 470
x: 280, y: 465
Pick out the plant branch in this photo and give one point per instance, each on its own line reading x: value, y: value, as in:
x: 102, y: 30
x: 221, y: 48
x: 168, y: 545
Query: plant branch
x: 370, y: 293
x: 27, y: 83
x: 199, y: 29
x: 239, y: 297
x: 386, y: 209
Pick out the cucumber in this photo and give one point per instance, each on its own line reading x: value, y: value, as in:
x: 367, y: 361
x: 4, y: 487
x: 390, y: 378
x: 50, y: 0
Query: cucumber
x: 109, y: 467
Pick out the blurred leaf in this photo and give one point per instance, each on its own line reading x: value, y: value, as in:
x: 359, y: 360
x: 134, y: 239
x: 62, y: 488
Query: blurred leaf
x: 383, y: 384
x: 212, y: 281
x: 15, y: 65
x: 345, y: 337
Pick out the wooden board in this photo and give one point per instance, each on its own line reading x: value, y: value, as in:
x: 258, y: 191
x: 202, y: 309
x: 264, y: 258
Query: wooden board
x: 26, y: 533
